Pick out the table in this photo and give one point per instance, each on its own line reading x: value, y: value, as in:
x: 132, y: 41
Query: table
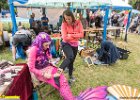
x: 21, y: 85
x: 101, y: 29
x: 95, y: 31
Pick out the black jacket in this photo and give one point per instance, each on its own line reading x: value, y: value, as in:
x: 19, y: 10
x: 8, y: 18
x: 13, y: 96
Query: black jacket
x: 108, y: 52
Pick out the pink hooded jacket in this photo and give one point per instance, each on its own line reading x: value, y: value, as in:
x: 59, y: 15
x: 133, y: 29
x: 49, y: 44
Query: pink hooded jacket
x: 72, y: 33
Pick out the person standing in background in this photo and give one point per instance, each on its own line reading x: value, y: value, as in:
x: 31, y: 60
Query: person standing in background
x: 83, y: 21
x: 32, y: 21
x: 44, y: 21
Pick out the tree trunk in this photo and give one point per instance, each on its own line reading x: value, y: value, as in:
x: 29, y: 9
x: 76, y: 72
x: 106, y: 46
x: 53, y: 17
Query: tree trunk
x: 138, y: 5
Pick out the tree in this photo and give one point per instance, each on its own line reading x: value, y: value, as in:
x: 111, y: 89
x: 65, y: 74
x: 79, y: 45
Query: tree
x: 3, y: 5
x: 138, y: 5
x: 135, y: 4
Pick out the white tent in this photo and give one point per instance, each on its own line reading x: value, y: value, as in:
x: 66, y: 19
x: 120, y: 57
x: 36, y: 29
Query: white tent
x: 119, y: 4
x: 63, y: 3
x: 115, y: 4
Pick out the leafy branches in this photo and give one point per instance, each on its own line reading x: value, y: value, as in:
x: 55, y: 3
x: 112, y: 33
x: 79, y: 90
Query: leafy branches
x: 3, y: 4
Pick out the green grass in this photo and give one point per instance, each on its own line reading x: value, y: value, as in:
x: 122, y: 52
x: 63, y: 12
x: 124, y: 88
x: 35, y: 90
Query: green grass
x: 125, y: 72
x: 7, y: 26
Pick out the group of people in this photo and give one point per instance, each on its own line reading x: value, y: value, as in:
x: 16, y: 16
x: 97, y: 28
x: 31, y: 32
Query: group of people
x: 135, y: 24
x: 39, y: 59
x: 39, y: 56
x: 37, y: 25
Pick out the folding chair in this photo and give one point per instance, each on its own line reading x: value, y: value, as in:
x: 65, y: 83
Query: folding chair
x: 39, y: 85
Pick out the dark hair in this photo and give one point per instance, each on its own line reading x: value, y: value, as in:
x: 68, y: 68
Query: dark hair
x: 68, y: 13
x: 43, y: 28
x: 122, y: 14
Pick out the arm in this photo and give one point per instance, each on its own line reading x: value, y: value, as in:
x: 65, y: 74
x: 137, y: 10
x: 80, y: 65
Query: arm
x: 42, y: 20
x: 79, y: 34
x: 32, y: 22
x: 45, y: 20
x: 32, y: 60
x: 65, y: 35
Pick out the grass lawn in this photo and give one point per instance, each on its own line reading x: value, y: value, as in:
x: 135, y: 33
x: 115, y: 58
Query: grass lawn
x: 125, y: 72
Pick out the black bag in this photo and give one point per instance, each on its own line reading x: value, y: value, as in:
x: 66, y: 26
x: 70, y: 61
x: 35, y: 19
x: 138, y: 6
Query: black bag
x: 123, y: 53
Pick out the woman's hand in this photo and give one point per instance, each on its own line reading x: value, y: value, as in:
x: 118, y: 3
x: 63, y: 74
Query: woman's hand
x: 72, y: 36
x: 69, y: 35
x: 58, y: 73
x: 47, y: 75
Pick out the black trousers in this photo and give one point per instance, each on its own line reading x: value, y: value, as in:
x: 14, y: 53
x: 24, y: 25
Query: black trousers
x: 70, y: 53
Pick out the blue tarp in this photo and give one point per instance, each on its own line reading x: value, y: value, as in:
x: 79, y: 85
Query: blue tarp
x: 21, y: 1
x: 14, y: 29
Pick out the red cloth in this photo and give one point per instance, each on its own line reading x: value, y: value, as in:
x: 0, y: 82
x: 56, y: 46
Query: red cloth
x: 22, y: 85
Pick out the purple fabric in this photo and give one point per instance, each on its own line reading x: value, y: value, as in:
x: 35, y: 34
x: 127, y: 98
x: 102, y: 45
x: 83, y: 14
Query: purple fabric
x: 42, y: 60
x: 40, y: 39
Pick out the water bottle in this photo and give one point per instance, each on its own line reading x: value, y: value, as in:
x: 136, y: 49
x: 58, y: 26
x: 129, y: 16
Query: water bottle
x: 35, y: 95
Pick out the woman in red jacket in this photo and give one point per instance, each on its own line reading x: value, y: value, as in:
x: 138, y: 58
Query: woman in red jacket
x: 72, y: 31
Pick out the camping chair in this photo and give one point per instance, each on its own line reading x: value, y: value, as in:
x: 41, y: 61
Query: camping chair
x: 39, y: 85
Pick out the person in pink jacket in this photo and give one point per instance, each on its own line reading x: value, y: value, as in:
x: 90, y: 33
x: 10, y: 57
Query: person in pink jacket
x: 72, y: 31
x: 39, y: 64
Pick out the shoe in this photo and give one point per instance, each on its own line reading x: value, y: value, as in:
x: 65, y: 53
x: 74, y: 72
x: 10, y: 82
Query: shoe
x: 57, y: 82
x: 66, y: 70
x: 69, y: 82
x: 72, y: 79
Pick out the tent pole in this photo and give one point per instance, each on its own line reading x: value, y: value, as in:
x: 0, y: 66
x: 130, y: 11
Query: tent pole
x: 11, y: 6
x: 71, y: 7
x: 127, y: 26
x: 68, y: 4
x: 105, y: 22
